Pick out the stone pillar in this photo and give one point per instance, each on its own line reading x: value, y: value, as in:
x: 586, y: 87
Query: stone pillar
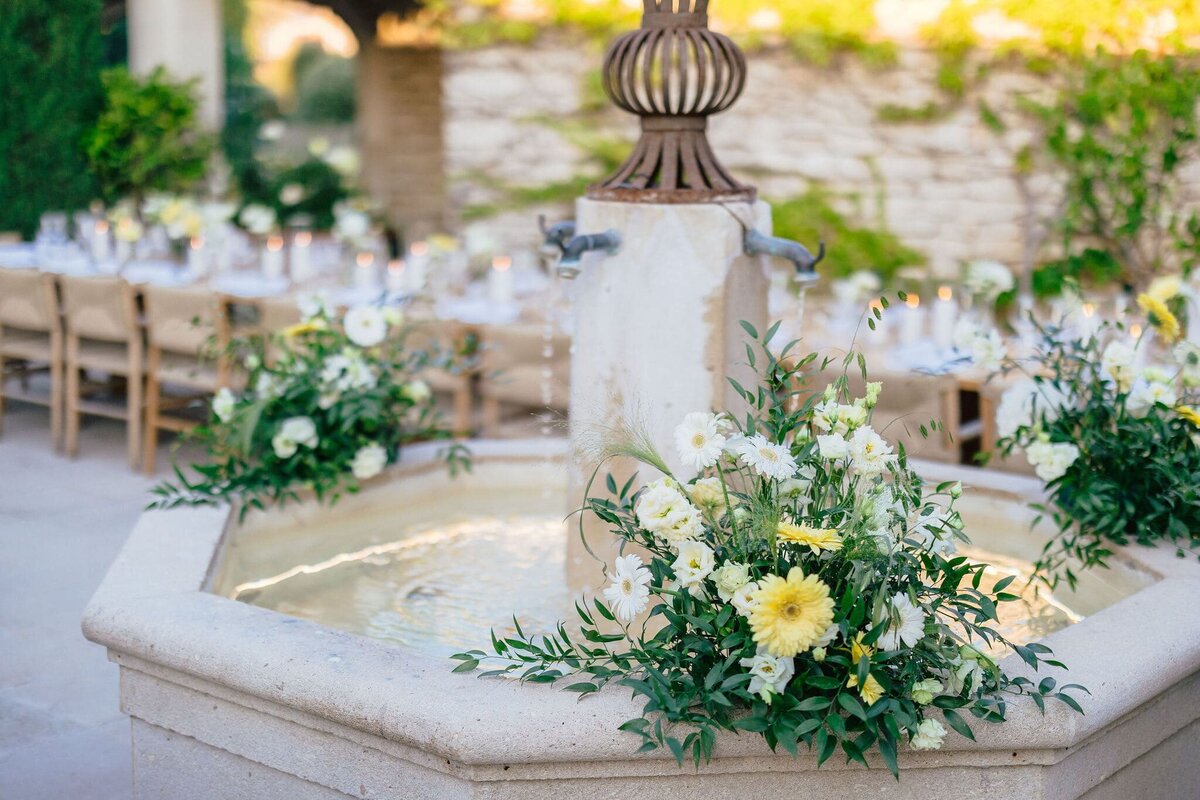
x: 657, y: 331
x: 185, y: 37
x: 400, y: 131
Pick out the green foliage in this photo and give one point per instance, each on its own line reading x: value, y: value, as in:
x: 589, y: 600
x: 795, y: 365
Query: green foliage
x: 247, y: 103
x: 324, y: 87
x: 321, y: 187
x: 1120, y: 131
x: 146, y: 138
x: 1136, y: 477
x: 351, y: 397
x: 49, y: 94
x: 885, y: 540
x: 811, y: 217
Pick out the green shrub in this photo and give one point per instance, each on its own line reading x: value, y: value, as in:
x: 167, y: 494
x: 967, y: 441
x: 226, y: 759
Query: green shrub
x: 811, y: 218
x: 49, y: 93
x: 325, y: 90
x: 247, y: 103
x: 146, y: 138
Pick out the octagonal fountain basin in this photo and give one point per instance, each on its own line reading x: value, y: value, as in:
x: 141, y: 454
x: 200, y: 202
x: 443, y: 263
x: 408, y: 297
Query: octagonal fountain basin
x: 301, y: 654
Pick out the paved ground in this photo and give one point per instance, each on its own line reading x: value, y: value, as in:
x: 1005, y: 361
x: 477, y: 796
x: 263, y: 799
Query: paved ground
x: 62, y: 735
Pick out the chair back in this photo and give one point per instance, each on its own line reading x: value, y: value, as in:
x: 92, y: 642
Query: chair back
x: 27, y: 300
x: 182, y: 320
x: 514, y: 365
x: 276, y: 314
x: 99, y: 307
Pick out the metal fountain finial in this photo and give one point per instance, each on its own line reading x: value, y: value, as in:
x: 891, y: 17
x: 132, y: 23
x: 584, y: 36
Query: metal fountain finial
x: 673, y: 73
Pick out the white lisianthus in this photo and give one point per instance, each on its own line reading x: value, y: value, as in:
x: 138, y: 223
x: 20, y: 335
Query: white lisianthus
x: 743, y: 599
x: 699, y: 440
x: 767, y: 458
x: 1051, y: 460
x: 417, y: 391
x: 1117, y: 362
x: 839, y: 418
x: 266, y: 385
x: 870, y: 455
x: 291, y: 194
x: 906, y: 624
x: 223, y: 403
x: 769, y: 674
x: 258, y: 219
x: 933, y: 531
x: 874, y: 388
x: 695, y: 563
x: 827, y: 638
x: 629, y: 592
x: 708, y: 494
x: 664, y: 511
x: 730, y: 577
x: 369, y: 461
x: 365, y: 325
x: 832, y: 447
x: 1147, y: 393
x: 795, y: 487
x: 344, y: 160
x: 347, y: 371
x: 929, y: 736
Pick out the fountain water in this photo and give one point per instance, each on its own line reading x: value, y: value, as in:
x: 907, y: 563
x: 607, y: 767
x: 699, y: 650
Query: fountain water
x: 230, y: 699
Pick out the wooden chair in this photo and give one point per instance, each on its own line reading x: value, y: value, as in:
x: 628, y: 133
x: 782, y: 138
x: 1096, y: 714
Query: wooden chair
x: 102, y: 334
x: 441, y: 336
x: 31, y: 340
x: 515, y: 371
x: 186, y: 334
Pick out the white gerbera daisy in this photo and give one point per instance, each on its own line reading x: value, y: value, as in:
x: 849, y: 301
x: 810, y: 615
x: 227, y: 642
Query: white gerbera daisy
x: 906, y: 624
x: 766, y: 458
x: 629, y: 592
x: 699, y: 440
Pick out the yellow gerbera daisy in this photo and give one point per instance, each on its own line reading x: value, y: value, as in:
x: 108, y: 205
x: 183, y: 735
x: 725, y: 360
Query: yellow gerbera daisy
x: 871, y: 691
x: 1165, y: 287
x: 817, y: 539
x: 1160, y: 316
x: 1188, y: 413
x: 301, y: 328
x: 789, y: 615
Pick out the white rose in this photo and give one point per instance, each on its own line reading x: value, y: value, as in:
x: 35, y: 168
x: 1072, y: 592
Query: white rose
x: 729, y: 578
x: 1148, y: 393
x: 365, y: 326
x: 283, y: 446
x: 368, y: 462
x: 694, y: 564
x: 417, y: 391
x: 769, y: 674
x: 664, y: 511
x: 870, y: 455
x: 301, y: 430
x: 743, y: 599
x: 1051, y: 460
x: 929, y: 736
x: 708, y: 493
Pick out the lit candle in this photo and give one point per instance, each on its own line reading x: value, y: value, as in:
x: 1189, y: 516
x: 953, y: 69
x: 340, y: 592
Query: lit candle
x: 416, y: 265
x: 101, y: 244
x: 364, y: 271
x: 911, y: 331
x: 301, y: 257
x: 1090, y: 321
x: 395, y: 276
x: 945, y: 315
x: 272, y: 258
x: 500, y: 281
x: 196, y: 261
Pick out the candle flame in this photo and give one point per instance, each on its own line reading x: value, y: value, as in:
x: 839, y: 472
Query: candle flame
x: 1135, y: 331
x: 303, y: 239
x: 365, y: 259
x: 419, y: 248
x: 197, y: 242
x: 102, y: 226
x: 396, y: 266
x: 945, y: 293
x: 501, y: 263
x: 1088, y: 310
x: 275, y: 243
x: 912, y: 301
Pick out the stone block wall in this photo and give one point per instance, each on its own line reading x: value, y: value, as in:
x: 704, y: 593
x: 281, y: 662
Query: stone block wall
x: 947, y: 187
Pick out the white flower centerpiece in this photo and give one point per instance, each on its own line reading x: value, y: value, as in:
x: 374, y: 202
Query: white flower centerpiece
x: 798, y: 582
x: 1116, y: 439
x: 330, y: 404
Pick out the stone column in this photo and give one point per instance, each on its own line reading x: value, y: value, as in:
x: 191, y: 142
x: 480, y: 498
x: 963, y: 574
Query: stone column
x: 400, y: 130
x: 185, y: 37
x: 657, y: 331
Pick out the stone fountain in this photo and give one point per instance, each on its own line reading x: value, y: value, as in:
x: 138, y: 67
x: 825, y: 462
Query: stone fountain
x: 234, y: 699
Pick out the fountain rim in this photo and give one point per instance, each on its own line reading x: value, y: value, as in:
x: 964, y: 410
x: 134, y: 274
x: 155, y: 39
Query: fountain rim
x: 154, y: 613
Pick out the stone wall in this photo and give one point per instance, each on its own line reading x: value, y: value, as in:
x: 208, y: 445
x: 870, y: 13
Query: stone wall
x: 947, y: 187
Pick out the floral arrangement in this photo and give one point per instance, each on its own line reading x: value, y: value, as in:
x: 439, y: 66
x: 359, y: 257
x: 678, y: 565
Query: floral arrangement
x: 801, y: 585
x: 330, y: 404
x: 987, y: 280
x: 1111, y: 423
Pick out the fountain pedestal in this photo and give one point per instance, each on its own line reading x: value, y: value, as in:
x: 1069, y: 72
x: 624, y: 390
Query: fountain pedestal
x: 657, y: 332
